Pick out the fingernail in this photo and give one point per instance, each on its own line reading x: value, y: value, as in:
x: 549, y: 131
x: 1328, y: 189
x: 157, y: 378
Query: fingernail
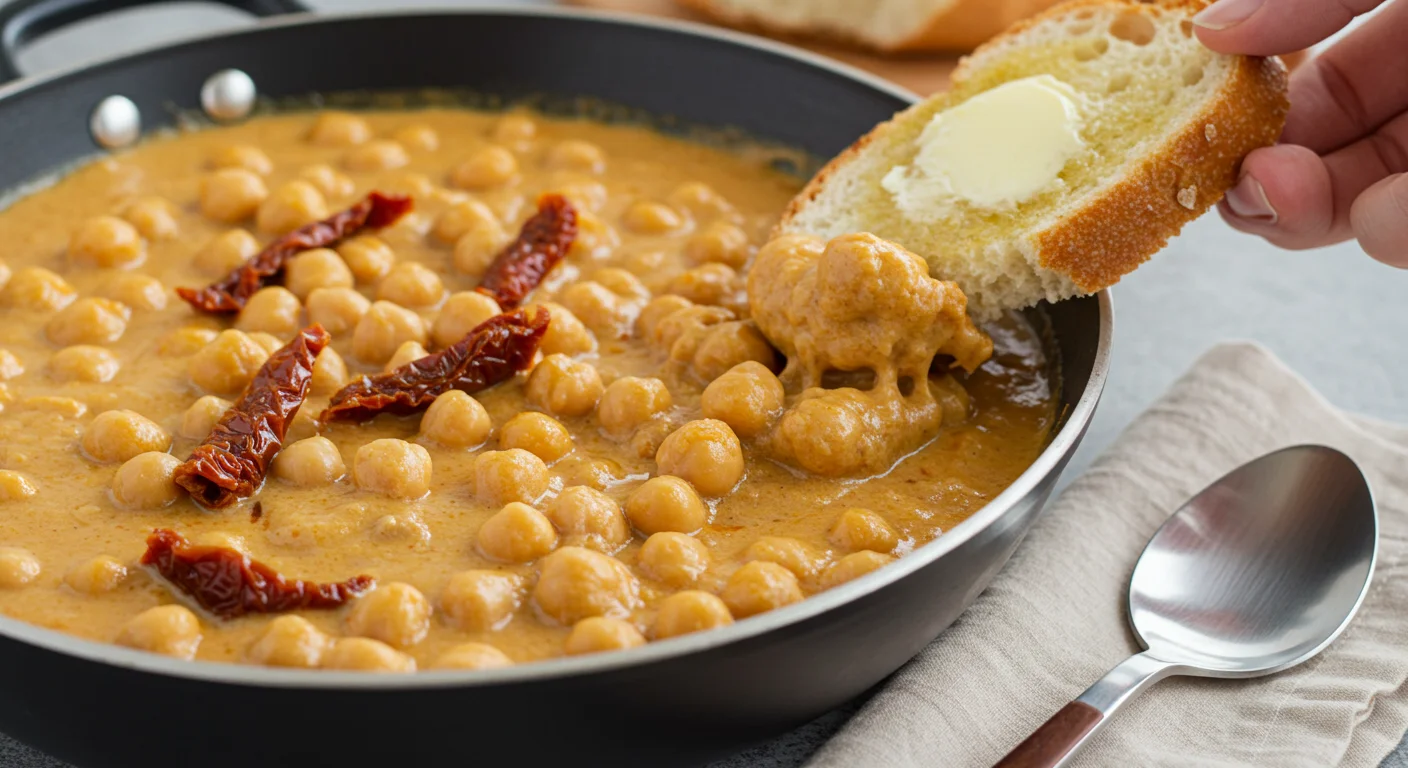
x: 1227, y: 13
x: 1248, y: 201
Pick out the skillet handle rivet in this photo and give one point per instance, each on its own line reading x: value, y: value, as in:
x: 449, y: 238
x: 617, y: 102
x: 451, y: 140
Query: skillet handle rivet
x: 115, y: 123
x: 228, y: 95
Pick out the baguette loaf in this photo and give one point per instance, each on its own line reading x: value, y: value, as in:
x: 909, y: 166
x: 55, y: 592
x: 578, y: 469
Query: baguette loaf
x: 1166, y: 125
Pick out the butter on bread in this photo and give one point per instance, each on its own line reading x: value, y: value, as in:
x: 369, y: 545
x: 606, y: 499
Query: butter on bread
x: 1163, y: 124
x: 889, y: 26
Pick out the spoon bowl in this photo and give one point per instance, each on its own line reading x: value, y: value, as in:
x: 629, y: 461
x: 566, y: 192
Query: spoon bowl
x: 1257, y: 573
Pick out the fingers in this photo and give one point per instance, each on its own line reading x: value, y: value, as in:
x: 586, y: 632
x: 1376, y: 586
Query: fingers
x: 1344, y: 94
x: 1269, y: 27
x: 1380, y: 220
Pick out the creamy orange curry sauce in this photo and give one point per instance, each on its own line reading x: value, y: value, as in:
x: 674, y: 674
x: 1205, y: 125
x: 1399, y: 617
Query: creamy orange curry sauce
x: 717, y: 426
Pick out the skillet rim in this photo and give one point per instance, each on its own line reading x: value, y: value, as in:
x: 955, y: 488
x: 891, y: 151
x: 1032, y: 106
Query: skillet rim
x: 1050, y: 462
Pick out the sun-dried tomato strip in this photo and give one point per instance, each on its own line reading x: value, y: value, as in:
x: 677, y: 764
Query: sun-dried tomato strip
x: 229, y: 294
x: 229, y: 584
x: 541, y: 244
x: 493, y: 352
x: 232, y: 462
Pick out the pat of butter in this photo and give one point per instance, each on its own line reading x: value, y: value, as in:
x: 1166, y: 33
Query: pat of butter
x: 995, y: 150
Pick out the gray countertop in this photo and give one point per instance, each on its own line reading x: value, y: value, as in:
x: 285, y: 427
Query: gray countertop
x: 1333, y: 314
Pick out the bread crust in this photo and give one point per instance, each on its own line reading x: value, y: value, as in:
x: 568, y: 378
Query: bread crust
x: 1126, y: 223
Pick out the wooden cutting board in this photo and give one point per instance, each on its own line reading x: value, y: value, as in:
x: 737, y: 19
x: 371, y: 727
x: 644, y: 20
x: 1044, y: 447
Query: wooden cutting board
x: 922, y: 74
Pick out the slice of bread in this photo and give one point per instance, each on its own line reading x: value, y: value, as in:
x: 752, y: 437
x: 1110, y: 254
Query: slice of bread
x: 884, y: 25
x: 1169, y: 122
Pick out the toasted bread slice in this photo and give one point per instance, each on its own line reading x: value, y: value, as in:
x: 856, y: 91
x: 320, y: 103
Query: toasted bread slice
x: 1169, y: 124
x: 889, y: 26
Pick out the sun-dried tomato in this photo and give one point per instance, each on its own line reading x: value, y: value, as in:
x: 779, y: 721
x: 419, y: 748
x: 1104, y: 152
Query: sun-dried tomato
x: 229, y: 294
x: 230, y: 584
x: 232, y: 462
x: 541, y: 244
x: 493, y: 352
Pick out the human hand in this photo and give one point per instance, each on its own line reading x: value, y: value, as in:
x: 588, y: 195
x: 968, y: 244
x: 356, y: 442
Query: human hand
x: 1341, y: 169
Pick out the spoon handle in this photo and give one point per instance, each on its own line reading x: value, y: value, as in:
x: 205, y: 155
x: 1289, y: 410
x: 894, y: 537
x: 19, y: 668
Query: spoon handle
x: 1059, y: 738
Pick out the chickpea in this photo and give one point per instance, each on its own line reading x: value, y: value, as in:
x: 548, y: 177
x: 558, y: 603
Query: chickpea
x: 705, y: 453
x: 274, y: 310
x: 748, y: 399
x: 362, y: 654
x: 396, y: 614
x: 576, y: 583
x: 411, y: 284
x: 289, y: 641
x: 473, y: 656
x: 596, y: 240
x: 679, y: 333
x: 18, y: 567
x: 338, y: 310
x: 37, y: 289
x: 419, y: 137
x: 327, y: 180
x: 268, y: 341
x: 14, y: 486
x: 291, y: 206
x: 393, y: 468
x: 462, y: 313
x: 645, y: 217
x: 383, y: 329
x: 952, y: 398
x: 645, y: 443
x: 540, y: 435
x: 107, y: 241
x: 368, y: 258
x: 630, y: 402
x: 674, y: 559
x: 501, y: 477
x: 656, y: 311
x: 226, y: 364
x: 722, y: 242
x: 166, y: 629
x: 598, y: 634
x: 329, y: 372
x: 599, y: 474
x: 622, y: 283
x: 146, y: 481
x: 406, y: 354
x: 690, y: 611
x: 760, y: 586
x: 796, y: 556
x: 666, y: 503
x: 566, y: 334
x: 316, y: 268
x: 575, y: 155
x: 465, y: 216
x: 244, y: 156
x: 154, y: 218
x: 517, y: 533
x: 515, y: 130
x: 586, y: 517
x: 861, y: 529
x: 492, y: 166
x: 11, y: 367
x: 83, y: 363
x: 232, y: 194
x: 96, y: 576
x: 227, y: 251
x: 710, y: 284
x: 456, y: 420
x: 406, y: 528
x: 604, y: 312
x: 378, y: 155
x: 853, y: 566
x: 89, y: 321
x: 202, y: 416
x: 138, y: 292
x: 700, y: 200
x: 116, y: 436
x: 339, y: 129
x: 477, y: 248
x: 564, y: 386
x: 480, y: 601
x: 311, y: 461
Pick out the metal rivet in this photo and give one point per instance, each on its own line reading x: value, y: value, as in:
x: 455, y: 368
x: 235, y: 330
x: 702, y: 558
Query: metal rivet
x: 116, y: 122
x: 228, y: 95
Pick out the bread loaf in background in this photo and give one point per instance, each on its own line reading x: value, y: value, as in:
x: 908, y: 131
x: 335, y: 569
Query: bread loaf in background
x: 889, y: 26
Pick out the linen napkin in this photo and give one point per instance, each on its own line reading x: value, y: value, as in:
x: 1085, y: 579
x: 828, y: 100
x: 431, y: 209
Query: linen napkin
x: 1053, y: 621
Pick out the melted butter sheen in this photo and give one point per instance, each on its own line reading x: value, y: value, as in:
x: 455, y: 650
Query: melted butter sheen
x: 662, y: 216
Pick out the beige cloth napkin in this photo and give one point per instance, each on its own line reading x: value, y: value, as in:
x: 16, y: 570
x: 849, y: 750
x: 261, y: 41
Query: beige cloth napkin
x: 1053, y: 622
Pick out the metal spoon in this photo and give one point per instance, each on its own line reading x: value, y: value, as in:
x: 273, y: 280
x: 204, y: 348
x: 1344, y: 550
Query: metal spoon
x: 1257, y: 573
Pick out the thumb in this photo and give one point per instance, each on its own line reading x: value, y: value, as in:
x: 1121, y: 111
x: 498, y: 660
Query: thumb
x: 1380, y: 220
